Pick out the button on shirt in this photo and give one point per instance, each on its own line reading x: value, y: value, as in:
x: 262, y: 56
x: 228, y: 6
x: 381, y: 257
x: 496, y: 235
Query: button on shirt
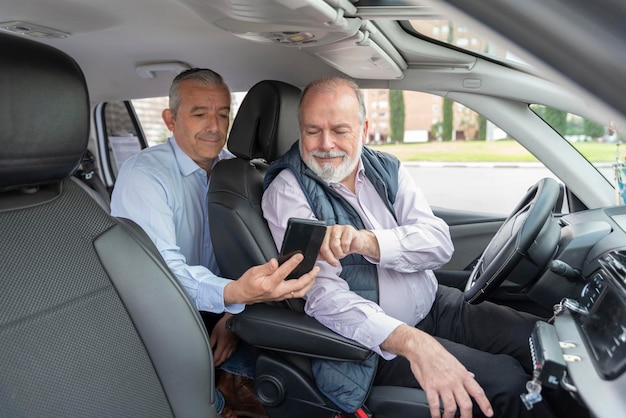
x: 165, y: 192
x: 409, y: 249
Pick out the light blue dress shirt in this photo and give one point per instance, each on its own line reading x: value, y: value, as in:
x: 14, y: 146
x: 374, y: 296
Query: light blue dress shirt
x: 165, y: 192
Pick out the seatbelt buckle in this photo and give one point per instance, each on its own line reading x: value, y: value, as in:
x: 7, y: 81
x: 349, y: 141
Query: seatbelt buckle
x: 359, y: 413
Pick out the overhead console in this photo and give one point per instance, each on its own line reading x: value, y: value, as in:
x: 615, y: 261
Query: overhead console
x: 330, y: 30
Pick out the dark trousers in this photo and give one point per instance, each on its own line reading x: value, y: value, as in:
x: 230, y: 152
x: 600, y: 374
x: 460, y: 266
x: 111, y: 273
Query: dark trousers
x: 490, y: 340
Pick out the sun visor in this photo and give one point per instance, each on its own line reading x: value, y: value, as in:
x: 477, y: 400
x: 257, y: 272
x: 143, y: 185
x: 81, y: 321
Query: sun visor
x: 359, y: 57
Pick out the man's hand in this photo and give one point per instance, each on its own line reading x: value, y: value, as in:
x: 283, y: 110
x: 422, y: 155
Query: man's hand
x: 341, y: 240
x: 267, y: 283
x: 223, y: 341
x: 439, y: 373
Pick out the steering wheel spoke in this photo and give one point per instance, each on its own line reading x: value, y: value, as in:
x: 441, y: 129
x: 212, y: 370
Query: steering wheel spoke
x: 530, y: 225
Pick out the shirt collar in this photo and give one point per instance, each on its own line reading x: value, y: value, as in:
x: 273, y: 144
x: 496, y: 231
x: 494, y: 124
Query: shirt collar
x: 187, y: 166
x: 360, y: 172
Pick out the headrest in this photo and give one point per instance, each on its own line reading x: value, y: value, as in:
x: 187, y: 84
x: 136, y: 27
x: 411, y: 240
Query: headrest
x: 266, y: 124
x: 44, y: 113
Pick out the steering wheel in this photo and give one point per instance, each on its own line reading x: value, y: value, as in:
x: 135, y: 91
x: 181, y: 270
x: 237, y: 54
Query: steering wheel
x: 522, y: 247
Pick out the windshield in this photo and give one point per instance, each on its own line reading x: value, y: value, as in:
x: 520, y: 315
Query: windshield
x: 600, y: 144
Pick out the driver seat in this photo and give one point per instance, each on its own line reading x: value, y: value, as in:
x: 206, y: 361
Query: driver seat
x: 284, y: 337
x: 92, y: 321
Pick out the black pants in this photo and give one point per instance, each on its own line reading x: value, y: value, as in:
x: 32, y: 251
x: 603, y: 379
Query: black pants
x: 490, y: 340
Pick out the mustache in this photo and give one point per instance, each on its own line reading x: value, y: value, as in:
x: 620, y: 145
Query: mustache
x: 329, y: 154
x: 214, y: 136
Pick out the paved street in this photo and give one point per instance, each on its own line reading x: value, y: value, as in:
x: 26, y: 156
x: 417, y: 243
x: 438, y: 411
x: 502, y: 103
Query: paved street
x: 463, y: 187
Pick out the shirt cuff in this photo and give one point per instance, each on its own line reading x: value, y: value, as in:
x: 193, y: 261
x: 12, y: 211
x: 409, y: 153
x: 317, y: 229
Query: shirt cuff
x: 211, y: 297
x: 375, y: 330
x: 389, y: 247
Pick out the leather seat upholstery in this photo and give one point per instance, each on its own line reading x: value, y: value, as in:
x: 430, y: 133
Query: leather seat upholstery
x: 92, y: 322
x: 286, y: 339
x: 258, y: 136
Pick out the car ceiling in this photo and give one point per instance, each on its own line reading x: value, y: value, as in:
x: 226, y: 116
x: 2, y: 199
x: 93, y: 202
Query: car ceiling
x: 161, y: 31
x: 232, y: 37
x: 122, y: 35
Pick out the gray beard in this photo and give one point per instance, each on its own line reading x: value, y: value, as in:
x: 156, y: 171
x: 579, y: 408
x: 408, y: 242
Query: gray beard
x: 328, y: 172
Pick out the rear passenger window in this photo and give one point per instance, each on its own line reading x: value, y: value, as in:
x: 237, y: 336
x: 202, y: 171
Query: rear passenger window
x: 149, y: 114
x: 119, y: 137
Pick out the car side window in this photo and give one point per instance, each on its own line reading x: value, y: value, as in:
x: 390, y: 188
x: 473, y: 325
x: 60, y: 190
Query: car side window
x: 149, y: 113
x: 451, y: 151
x: 599, y: 143
x: 119, y: 136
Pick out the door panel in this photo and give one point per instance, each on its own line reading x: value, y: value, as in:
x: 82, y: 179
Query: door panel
x: 471, y: 233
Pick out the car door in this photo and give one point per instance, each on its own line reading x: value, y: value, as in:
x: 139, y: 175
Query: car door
x: 471, y: 233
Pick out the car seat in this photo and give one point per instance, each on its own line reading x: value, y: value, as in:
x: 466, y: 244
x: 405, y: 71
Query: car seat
x: 285, y: 339
x: 92, y: 321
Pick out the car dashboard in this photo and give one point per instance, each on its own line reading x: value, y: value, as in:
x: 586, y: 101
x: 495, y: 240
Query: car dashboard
x: 591, y: 327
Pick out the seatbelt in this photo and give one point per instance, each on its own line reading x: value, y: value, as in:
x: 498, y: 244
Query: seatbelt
x: 87, y: 173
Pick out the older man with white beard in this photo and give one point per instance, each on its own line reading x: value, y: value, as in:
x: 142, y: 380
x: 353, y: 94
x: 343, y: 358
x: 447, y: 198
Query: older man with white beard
x: 376, y: 283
